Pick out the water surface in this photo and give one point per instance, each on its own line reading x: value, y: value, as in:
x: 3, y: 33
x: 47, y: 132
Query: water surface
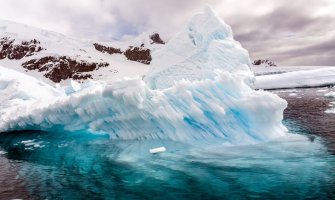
x: 61, y: 165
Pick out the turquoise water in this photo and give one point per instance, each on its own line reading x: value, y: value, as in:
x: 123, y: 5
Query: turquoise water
x: 63, y: 165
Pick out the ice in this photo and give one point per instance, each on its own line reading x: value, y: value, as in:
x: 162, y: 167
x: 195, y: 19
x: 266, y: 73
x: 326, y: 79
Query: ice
x: 18, y: 91
x: 204, y: 46
x: 295, y: 79
x: 198, y: 91
x: 330, y: 94
x: 222, y: 109
x: 157, y: 150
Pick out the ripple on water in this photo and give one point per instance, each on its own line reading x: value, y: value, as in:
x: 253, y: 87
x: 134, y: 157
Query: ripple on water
x: 310, y: 112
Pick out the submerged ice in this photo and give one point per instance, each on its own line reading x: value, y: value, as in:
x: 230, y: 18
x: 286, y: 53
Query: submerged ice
x: 198, y: 89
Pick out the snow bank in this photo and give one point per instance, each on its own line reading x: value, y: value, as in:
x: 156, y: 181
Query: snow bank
x: 305, y: 78
x: 207, y: 98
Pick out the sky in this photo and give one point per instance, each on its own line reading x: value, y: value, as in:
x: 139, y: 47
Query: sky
x: 288, y: 32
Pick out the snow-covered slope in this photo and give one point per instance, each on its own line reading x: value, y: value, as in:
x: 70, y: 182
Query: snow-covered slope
x: 295, y: 79
x: 210, y: 101
x: 20, y: 44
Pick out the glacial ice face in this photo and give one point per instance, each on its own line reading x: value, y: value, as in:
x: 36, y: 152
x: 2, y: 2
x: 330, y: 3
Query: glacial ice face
x: 197, y: 91
x: 205, y: 45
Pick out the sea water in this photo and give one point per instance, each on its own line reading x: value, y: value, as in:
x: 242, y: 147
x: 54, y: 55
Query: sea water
x: 61, y: 165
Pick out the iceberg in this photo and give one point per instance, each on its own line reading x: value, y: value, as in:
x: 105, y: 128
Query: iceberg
x: 197, y: 90
x: 204, y: 46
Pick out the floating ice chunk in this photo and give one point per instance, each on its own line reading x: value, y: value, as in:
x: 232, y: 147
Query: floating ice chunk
x: 322, y: 90
x: 330, y: 95
x: 157, y: 150
x: 330, y: 111
x: 32, y: 143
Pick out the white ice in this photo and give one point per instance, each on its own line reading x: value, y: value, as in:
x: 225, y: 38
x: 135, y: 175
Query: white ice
x: 205, y: 45
x: 295, y: 79
x: 206, y: 99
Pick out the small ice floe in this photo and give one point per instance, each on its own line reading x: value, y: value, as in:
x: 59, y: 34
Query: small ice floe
x: 330, y: 95
x: 157, y: 150
x: 30, y: 144
x: 322, y: 90
x: 292, y: 94
x: 330, y: 111
x: 2, y: 152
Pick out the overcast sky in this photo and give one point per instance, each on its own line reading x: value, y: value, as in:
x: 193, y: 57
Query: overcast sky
x: 289, y: 32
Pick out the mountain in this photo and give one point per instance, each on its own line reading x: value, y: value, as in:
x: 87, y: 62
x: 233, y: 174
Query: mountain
x: 56, y: 58
x: 264, y: 63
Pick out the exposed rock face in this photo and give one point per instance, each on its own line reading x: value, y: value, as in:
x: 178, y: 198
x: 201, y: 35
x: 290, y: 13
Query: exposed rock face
x: 138, y: 54
x: 266, y: 63
x: 18, y: 51
x: 156, y: 39
x: 62, y: 68
x: 105, y: 49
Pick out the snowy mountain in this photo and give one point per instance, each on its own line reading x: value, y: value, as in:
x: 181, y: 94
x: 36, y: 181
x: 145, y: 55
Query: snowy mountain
x: 55, y: 58
x: 264, y: 63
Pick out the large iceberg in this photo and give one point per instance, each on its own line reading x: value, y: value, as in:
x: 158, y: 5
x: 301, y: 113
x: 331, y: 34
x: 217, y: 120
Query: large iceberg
x: 198, y: 89
x: 206, y: 45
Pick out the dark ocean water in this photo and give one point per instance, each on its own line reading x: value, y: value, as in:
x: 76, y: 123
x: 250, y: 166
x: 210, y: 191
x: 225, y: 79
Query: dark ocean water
x: 40, y: 165
x: 307, y: 108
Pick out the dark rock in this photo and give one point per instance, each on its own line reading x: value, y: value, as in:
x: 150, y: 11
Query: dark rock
x: 156, y: 39
x: 18, y: 51
x: 62, y: 68
x: 138, y: 54
x: 267, y: 63
x: 105, y: 49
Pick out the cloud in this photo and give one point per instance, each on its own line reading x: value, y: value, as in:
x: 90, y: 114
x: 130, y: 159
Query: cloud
x: 288, y: 32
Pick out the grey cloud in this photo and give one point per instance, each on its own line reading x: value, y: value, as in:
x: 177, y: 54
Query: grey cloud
x: 288, y: 32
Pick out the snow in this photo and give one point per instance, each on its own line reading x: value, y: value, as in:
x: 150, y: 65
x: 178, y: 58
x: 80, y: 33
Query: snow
x: 56, y: 44
x: 296, y: 79
x: 198, y: 91
x: 262, y: 70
